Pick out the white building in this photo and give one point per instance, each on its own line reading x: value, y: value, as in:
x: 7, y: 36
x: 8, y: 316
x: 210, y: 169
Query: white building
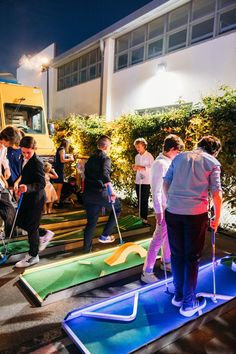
x: 165, y: 51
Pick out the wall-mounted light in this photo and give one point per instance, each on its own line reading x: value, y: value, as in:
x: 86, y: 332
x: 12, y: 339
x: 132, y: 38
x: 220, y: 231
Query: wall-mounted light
x: 161, y: 67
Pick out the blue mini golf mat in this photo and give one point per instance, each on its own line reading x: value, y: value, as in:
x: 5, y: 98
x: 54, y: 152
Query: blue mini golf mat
x: 144, y: 320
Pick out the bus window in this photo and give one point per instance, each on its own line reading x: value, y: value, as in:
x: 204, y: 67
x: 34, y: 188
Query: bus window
x: 30, y: 119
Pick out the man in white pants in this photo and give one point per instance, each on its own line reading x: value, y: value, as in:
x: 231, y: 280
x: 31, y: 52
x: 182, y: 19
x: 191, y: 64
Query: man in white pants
x: 171, y: 147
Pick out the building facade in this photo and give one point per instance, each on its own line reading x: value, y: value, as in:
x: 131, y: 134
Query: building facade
x: 165, y: 52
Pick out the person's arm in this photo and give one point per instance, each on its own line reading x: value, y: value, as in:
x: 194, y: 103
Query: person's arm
x: 63, y: 158
x: 5, y: 163
x: 53, y: 174
x: 38, y: 183
x: 217, y: 202
x: 216, y: 192
x: 156, y: 181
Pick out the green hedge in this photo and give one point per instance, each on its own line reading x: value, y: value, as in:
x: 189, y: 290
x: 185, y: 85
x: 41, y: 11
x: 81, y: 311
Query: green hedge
x: 215, y: 115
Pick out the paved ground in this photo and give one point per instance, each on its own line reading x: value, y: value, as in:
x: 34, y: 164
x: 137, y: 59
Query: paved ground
x: 28, y: 329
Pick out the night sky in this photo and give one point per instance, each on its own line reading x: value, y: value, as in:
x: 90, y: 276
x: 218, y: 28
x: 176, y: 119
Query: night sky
x: 28, y: 26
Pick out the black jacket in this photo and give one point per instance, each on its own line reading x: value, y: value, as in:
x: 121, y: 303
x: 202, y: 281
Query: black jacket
x: 32, y: 204
x: 97, y: 172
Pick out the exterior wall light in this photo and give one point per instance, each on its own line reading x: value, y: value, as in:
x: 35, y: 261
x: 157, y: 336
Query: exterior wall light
x: 161, y: 68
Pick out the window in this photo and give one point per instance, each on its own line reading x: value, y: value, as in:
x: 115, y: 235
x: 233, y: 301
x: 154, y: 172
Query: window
x: 178, y: 17
x: 155, y: 48
x: 137, y: 55
x: 138, y: 36
x: 30, y: 119
x: 202, y: 8
x: 224, y: 3
x: 122, y: 61
x: 85, y: 68
x: 177, y: 40
x: 122, y: 44
x: 189, y: 24
x: 228, y: 21
x: 202, y: 30
x: 156, y: 28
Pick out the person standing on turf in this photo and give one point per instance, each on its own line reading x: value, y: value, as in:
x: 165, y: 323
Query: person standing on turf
x: 187, y: 182
x: 97, y: 180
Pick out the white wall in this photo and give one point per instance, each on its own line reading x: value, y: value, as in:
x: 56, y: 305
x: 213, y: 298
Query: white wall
x: 29, y: 72
x: 191, y: 73
x: 81, y: 99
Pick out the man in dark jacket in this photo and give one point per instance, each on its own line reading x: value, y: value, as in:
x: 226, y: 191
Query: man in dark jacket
x: 96, y: 185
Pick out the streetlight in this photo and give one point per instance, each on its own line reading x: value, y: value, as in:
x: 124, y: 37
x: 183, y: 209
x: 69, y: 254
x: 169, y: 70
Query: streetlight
x: 45, y: 68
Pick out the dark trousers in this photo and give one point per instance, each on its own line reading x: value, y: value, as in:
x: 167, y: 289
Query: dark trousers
x: 145, y: 192
x: 186, y: 237
x: 93, y: 205
x: 7, y: 211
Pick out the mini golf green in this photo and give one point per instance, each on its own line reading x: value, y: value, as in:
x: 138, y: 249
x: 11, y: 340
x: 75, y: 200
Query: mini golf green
x: 50, y: 279
x: 126, y: 223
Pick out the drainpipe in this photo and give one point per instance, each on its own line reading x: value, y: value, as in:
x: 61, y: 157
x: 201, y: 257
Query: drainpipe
x: 102, y: 48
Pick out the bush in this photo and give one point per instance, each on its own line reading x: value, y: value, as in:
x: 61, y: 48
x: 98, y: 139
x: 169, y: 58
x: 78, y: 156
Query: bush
x: 215, y: 115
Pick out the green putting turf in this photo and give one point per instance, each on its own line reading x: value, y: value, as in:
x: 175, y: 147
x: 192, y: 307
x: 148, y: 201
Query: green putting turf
x: 47, y: 219
x: 126, y: 223
x: 57, y: 277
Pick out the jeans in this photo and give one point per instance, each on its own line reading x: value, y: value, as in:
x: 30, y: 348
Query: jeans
x: 159, y: 238
x: 145, y: 192
x: 93, y: 203
x: 186, y: 237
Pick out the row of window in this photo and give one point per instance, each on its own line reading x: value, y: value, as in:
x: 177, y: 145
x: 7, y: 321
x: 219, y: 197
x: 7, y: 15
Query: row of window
x: 184, y: 26
x: 85, y: 68
x: 194, y: 22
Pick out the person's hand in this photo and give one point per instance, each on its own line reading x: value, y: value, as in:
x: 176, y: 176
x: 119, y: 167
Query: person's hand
x: 159, y: 218
x: 113, y: 198
x: 21, y: 189
x: 214, y: 223
x: 7, y: 173
x: 134, y: 167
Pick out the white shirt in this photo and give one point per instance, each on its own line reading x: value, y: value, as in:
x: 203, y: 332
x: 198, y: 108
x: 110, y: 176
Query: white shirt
x: 158, y: 171
x: 146, y: 160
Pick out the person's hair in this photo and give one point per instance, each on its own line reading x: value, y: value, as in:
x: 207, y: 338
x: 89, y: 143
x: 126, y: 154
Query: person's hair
x: 28, y: 142
x: 12, y: 135
x: 210, y: 144
x: 64, y: 143
x: 103, y: 142
x: 47, y: 166
x: 141, y: 141
x: 173, y: 141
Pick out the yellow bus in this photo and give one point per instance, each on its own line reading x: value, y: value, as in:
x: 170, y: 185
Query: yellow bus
x: 23, y: 107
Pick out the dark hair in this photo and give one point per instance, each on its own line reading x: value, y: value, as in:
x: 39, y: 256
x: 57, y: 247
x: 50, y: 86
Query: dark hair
x: 64, y: 143
x: 210, y: 144
x: 141, y: 141
x: 28, y: 142
x: 173, y: 141
x: 103, y: 141
x: 12, y: 135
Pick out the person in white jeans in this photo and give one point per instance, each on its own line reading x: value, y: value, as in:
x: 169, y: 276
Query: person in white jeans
x: 171, y: 147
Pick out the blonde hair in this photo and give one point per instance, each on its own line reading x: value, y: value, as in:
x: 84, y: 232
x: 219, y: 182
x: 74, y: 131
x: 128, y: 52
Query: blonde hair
x: 47, y: 167
x: 141, y: 141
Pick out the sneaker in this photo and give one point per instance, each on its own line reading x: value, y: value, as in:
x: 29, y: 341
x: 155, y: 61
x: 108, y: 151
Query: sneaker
x: 177, y: 301
x: 198, y: 305
x: 149, y: 278
x: 106, y: 239
x: 145, y: 222
x: 44, y: 240
x: 27, y: 261
x: 167, y: 266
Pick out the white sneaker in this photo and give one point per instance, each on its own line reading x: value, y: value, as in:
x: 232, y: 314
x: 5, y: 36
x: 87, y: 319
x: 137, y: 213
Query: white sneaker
x: 44, y: 240
x: 106, y: 239
x: 27, y: 261
x: 149, y: 278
